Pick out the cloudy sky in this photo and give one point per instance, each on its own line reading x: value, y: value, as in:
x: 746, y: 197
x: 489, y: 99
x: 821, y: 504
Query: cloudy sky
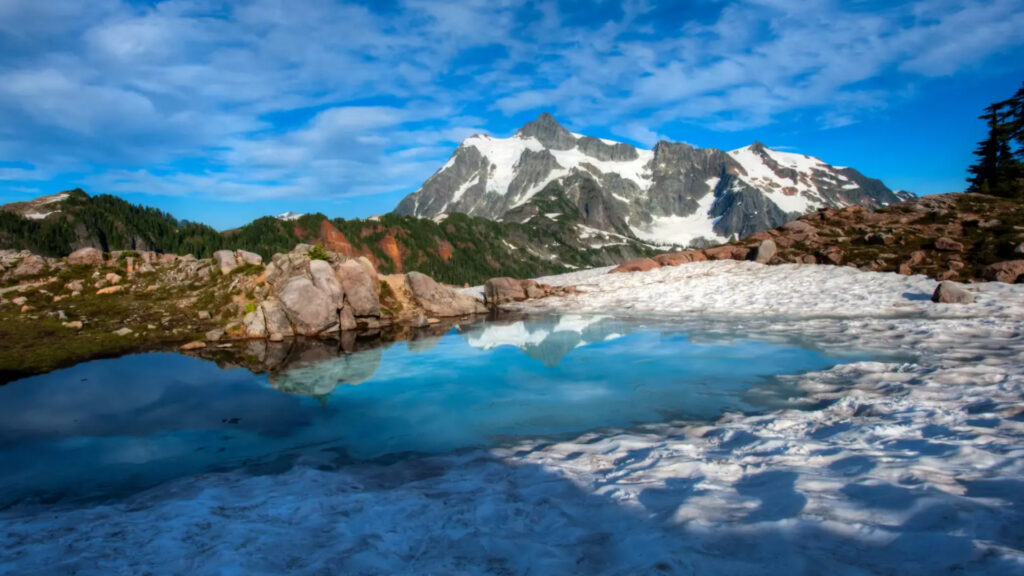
x: 224, y: 111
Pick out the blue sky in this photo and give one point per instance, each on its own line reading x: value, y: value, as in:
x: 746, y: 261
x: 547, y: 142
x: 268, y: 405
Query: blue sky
x: 225, y: 111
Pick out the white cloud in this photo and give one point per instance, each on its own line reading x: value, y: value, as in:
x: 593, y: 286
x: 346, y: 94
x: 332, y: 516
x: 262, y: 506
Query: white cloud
x: 318, y: 98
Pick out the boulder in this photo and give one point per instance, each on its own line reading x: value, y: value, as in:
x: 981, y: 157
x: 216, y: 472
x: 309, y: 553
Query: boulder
x: 123, y: 331
x: 347, y: 320
x: 327, y: 281
x: 110, y: 289
x: 247, y: 257
x: 30, y: 265
x: 309, y: 309
x: 194, y: 345
x: 74, y: 324
x: 765, y: 251
x: 503, y: 290
x: 276, y: 319
x: 225, y: 260
x: 86, y: 257
x: 361, y: 287
x: 255, y: 324
x: 728, y: 252
x: 215, y: 335
x: 678, y: 258
x: 1009, y: 271
x: 439, y: 300
x: 948, y: 245
x: 74, y: 286
x: 112, y: 278
x: 635, y: 265
x: 951, y: 293
x: 19, y: 301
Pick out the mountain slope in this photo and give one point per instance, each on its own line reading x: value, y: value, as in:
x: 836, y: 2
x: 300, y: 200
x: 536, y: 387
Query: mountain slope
x: 455, y: 249
x: 672, y: 194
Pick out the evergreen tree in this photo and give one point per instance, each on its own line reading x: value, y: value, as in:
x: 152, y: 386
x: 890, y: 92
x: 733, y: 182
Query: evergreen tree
x: 999, y: 170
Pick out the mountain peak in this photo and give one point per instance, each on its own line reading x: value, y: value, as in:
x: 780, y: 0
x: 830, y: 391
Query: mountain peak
x: 548, y: 132
x: 758, y: 147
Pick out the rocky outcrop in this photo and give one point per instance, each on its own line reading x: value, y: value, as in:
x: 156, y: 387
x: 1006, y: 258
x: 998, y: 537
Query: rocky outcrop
x: 498, y: 291
x: 310, y: 310
x: 635, y: 265
x: 941, y: 236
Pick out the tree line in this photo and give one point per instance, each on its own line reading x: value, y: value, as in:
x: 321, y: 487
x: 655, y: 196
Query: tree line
x: 999, y: 170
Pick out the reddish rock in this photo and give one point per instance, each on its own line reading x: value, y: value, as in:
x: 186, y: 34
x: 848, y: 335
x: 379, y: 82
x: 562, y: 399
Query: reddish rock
x: 636, y: 265
x: 86, y: 257
x: 728, y: 252
x: 947, y: 244
x: 1009, y: 271
x: 677, y: 258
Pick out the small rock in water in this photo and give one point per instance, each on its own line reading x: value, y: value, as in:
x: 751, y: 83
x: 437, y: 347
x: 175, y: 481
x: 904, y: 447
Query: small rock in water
x: 951, y: 293
x: 194, y: 345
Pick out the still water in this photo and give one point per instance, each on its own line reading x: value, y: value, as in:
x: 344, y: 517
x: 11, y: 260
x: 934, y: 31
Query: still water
x: 109, y: 427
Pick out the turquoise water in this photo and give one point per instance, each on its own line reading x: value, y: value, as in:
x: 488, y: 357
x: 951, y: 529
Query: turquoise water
x: 109, y: 427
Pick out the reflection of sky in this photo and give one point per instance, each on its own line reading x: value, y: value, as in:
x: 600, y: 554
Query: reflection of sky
x: 111, y: 424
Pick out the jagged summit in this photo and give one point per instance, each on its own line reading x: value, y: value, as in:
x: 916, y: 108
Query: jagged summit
x: 674, y: 193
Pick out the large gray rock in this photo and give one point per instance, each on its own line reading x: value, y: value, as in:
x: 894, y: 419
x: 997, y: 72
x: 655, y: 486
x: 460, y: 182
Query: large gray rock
x: 766, y: 251
x: 309, y: 309
x: 255, y: 324
x: 360, y: 287
x: 276, y: 319
x: 1010, y: 271
x: 498, y: 291
x: 249, y: 257
x: 439, y: 300
x: 951, y: 293
x: 86, y: 257
x: 225, y: 260
x: 30, y: 265
x: 326, y: 280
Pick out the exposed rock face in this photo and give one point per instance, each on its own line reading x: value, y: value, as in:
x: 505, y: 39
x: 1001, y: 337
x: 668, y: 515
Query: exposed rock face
x: 618, y: 188
x: 503, y: 290
x: 255, y: 324
x: 951, y: 293
x: 277, y: 321
x: 86, y: 257
x: 1009, y: 271
x: 677, y: 258
x: 309, y: 309
x: 249, y: 257
x: 327, y: 281
x: 441, y: 301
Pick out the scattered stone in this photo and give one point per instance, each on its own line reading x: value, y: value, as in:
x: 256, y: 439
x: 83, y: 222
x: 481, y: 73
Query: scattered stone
x: 86, y: 257
x: 635, y: 265
x: 74, y: 286
x: 215, y: 335
x: 19, y: 301
x: 679, y: 258
x: 110, y: 290
x: 203, y: 315
x: 1009, y: 271
x: 194, y: 345
x: 727, y: 252
x: 123, y: 331
x: 951, y: 293
x: 74, y: 325
x: 948, y: 245
x: 112, y: 278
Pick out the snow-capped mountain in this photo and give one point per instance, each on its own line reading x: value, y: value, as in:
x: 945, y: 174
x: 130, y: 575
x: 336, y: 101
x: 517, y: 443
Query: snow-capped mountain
x: 289, y: 216
x: 672, y: 194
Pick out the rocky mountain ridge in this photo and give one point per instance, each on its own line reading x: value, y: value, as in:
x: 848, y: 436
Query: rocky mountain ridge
x: 674, y: 193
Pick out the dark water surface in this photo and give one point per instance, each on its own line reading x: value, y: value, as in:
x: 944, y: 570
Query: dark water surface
x: 109, y: 427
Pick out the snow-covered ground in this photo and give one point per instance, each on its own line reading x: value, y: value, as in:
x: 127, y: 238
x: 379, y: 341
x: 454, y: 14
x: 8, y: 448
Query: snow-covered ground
x: 909, y: 466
